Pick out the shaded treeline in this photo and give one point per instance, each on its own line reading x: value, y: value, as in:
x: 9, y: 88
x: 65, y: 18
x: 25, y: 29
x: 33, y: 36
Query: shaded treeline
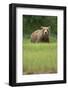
x: 33, y: 22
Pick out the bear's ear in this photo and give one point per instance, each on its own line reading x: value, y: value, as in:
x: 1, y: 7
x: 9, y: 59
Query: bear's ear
x: 49, y: 27
x: 41, y: 27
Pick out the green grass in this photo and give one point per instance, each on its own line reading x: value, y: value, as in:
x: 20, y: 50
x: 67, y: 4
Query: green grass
x: 39, y: 58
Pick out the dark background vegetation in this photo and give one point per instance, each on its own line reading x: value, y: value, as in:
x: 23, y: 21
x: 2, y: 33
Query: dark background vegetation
x: 34, y: 22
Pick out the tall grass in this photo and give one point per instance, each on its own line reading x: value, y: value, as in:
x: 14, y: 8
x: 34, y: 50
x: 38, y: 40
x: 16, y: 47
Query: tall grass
x: 39, y: 57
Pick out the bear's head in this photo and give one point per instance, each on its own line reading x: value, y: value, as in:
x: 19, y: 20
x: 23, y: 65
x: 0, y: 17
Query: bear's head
x: 45, y: 30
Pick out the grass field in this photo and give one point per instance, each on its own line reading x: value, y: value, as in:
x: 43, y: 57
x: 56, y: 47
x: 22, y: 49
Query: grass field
x: 39, y: 58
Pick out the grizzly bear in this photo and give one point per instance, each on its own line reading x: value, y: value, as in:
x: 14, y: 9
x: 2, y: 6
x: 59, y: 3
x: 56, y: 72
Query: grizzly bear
x: 41, y: 35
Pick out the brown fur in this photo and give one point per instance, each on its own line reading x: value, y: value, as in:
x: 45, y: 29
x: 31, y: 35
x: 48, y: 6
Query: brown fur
x: 41, y: 35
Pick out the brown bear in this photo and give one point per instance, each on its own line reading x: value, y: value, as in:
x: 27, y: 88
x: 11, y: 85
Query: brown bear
x: 41, y: 35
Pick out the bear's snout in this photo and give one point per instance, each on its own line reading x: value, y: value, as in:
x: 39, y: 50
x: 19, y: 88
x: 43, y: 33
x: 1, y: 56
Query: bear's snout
x: 46, y: 32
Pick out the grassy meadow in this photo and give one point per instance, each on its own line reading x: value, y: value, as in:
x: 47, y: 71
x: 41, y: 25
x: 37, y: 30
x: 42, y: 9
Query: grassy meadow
x: 39, y: 58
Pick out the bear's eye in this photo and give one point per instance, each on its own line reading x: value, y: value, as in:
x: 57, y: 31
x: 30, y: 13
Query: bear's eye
x: 47, y: 29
